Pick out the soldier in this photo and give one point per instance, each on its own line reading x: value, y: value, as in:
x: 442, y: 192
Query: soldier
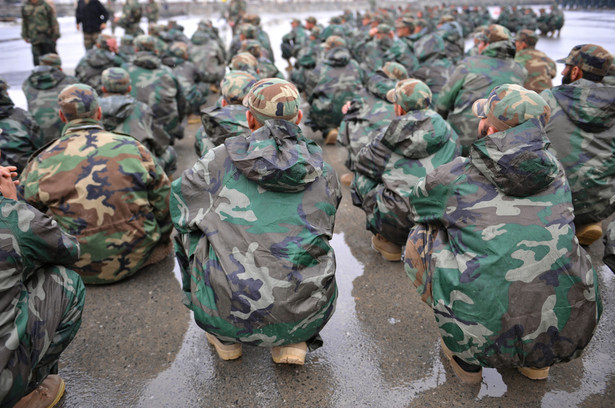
x: 306, y: 60
x: 373, y: 57
x: 20, y: 135
x: 39, y: 27
x: 41, y: 304
x: 105, y: 189
x: 157, y: 87
x: 476, y: 76
x: 271, y: 274
x: 260, y: 34
x: 228, y: 119
x: 130, y: 18
x: 152, y: 12
x: 95, y: 61
x: 124, y: 114
x: 41, y: 90
x: 402, y: 49
x: 246, y: 62
x: 126, y: 50
x: 265, y: 68
x: 92, y: 16
x: 540, y: 68
x: 415, y: 143
x: 582, y: 134
x: 190, y: 78
x: 335, y: 81
x: 368, y: 114
x: 293, y: 41
x: 209, y: 57
x: 493, y: 249
x: 235, y: 12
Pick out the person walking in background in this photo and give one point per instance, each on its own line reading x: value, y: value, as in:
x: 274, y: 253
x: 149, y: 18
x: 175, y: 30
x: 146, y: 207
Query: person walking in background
x: 39, y: 27
x: 93, y: 17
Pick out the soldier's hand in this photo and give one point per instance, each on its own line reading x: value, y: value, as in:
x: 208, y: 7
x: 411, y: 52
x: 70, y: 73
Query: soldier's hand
x: 346, y: 107
x: 7, y: 184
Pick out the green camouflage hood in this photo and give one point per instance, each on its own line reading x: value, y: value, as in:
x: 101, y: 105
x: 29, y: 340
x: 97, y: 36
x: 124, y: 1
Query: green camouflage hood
x: 99, y: 58
x: 6, y: 103
x: 221, y: 123
x: 516, y: 161
x: 500, y: 49
x: 338, y: 57
x: 116, y: 108
x: 46, y: 77
x: 147, y: 60
x: 379, y: 84
x: 589, y: 105
x: 277, y: 157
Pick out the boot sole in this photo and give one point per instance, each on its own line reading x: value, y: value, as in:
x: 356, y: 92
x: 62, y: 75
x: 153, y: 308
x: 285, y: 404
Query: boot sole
x: 589, y: 234
x: 59, y: 395
x: 224, y: 354
x: 535, y: 373
x: 288, y: 355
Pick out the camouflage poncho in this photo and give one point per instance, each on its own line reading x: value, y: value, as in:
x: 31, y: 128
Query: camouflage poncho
x: 508, y: 282
x: 412, y: 146
x: 105, y: 189
x: 220, y: 123
x: 41, y: 90
x: 255, y: 217
x: 91, y: 66
x: 540, y: 69
x: 582, y: 134
x: 20, y: 136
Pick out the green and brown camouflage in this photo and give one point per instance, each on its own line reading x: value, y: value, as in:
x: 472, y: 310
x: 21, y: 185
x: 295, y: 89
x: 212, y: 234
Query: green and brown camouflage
x: 126, y: 50
x: 78, y: 101
x: 51, y: 60
x: 582, y: 134
x: 402, y: 52
x: 335, y: 81
x: 131, y: 17
x: 155, y: 85
x: 39, y: 23
x: 20, y: 136
x: 220, y: 123
x: 96, y: 60
x: 189, y: 76
x: 266, y: 68
x: 41, y: 90
x: 152, y: 11
x: 306, y: 60
x: 42, y: 300
x: 609, y: 246
x: 294, y: 40
x: 105, y: 189
x: 273, y: 98
x: 591, y: 58
x: 235, y: 86
x: 209, y: 57
x: 265, y: 278
x: 473, y: 78
x: 392, y: 163
x: 498, y: 261
x: 244, y: 61
x: 540, y: 69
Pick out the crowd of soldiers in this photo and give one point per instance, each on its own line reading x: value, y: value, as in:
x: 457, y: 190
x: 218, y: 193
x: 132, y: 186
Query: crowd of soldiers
x: 448, y: 150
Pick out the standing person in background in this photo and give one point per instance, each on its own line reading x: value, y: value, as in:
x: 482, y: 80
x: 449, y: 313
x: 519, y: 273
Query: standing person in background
x: 152, y: 12
x: 131, y: 17
x: 39, y: 27
x: 93, y: 17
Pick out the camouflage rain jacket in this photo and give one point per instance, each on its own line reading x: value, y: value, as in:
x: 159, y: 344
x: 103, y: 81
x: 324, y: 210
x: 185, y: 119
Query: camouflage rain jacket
x: 255, y: 217
x: 402, y: 51
x: 90, y: 67
x: 41, y: 90
x: 337, y: 79
x: 31, y: 242
x: 39, y: 23
x: 369, y: 114
x: 508, y: 282
x: 20, y: 136
x: 582, y: 134
x: 473, y: 78
x: 156, y: 86
x: 435, y: 64
x: 540, y: 69
x: 386, y: 169
x: 220, y: 123
x: 192, y: 81
x: 105, y: 189
x: 208, y: 57
x: 124, y: 114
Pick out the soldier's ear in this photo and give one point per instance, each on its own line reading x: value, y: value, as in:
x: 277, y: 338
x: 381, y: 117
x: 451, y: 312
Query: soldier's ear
x: 223, y: 102
x: 129, y: 88
x: 576, y: 73
x: 99, y: 113
x: 299, y: 117
x: 62, y: 117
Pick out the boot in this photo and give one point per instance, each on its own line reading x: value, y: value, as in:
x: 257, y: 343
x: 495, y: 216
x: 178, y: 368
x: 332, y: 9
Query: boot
x: 46, y: 395
x: 389, y: 250
x: 291, y: 354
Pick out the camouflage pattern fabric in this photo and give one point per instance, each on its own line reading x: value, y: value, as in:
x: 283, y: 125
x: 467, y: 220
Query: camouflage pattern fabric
x: 582, y: 134
x: 208, y: 56
x: 402, y: 51
x: 508, y: 282
x: 337, y: 79
x: 284, y: 257
x: 273, y: 98
x: 41, y: 89
x: 474, y: 78
x: 39, y: 23
x: 105, y: 189
x: 191, y: 80
x: 540, y: 69
x: 609, y: 246
x: 90, y: 67
x: 41, y: 299
x: 152, y: 12
x: 20, y: 136
x: 435, y: 64
x: 131, y: 17
x: 387, y: 168
x: 220, y: 123
x: 590, y: 58
x: 306, y: 60
x: 293, y: 41
x: 373, y: 56
x: 126, y: 50
x: 156, y: 86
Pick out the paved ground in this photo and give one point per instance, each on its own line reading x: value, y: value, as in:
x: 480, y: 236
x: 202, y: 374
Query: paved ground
x: 138, y: 347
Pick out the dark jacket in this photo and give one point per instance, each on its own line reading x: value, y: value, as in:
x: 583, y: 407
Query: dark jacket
x: 91, y: 14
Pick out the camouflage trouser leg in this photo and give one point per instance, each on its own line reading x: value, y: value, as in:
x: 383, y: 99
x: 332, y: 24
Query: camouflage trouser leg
x: 38, y: 50
x: 50, y: 311
x: 168, y: 161
x: 89, y: 39
x: 417, y: 258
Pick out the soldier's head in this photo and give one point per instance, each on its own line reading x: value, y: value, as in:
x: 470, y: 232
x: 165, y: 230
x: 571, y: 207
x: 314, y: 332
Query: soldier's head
x: 508, y: 106
x: 272, y: 98
x: 106, y: 42
x: 492, y: 34
x: 235, y: 86
x: 244, y: 61
x: 253, y: 47
x: 295, y: 22
x: 310, y: 22
x: 588, y: 61
x: 394, y: 70
x: 404, y: 27
x: 51, y: 60
x: 199, y: 38
x: 145, y: 43
x: 334, y: 41
x: 247, y: 31
x: 179, y: 50
x: 253, y: 19
x: 115, y: 81
x: 409, y: 95
x: 383, y: 31
x: 335, y: 20
x: 315, y: 33
x: 79, y: 101
x: 5, y: 99
x: 526, y: 39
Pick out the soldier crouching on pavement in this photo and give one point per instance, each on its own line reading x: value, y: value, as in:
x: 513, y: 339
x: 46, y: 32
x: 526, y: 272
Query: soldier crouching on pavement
x: 255, y: 216
x: 104, y: 188
x: 494, y: 252
x: 40, y: 300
